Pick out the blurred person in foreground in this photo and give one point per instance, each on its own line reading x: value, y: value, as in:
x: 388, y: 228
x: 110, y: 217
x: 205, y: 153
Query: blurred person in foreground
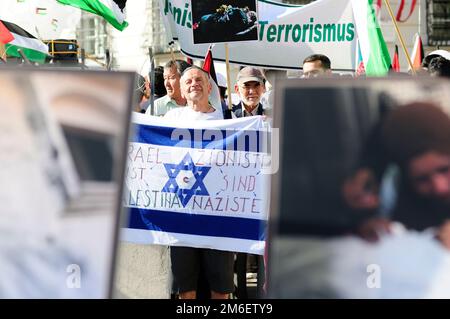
x: 416, y: 138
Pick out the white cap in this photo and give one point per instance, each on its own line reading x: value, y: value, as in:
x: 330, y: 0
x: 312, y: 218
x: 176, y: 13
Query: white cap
x: 442, y: 53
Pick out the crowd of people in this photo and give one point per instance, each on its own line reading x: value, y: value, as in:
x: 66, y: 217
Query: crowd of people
x: 416, y: 137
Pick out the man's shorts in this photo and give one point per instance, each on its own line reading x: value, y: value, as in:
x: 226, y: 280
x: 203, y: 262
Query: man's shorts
x: 218, y: 266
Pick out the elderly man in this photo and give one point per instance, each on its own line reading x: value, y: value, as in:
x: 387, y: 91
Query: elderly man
x: 173, y: 99
x: 195, y: 87
x: 316, y: 65
x: 187, y: 261
x: 250, y: 87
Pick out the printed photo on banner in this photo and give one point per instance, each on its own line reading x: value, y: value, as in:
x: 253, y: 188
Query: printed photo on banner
x: 364, y: 176
x: 297, y: 30
x: 224, y: 21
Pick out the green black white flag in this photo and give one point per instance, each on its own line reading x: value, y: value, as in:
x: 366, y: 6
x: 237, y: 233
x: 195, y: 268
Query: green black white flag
x: 34, y: 49
x: 112, y: 11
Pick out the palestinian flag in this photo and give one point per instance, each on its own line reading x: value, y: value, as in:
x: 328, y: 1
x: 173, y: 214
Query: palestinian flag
x: 5, y: 35
x: 111, y: 10
x: 34, y: 49
x: 41, y: 11
x: 373, y: 47
x: 208, y: 66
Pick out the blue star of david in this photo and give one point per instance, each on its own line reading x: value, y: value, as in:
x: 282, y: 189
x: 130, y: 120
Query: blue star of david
x: 199, y: 173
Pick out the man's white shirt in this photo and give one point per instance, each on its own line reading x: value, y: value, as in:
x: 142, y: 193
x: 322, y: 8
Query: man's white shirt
x: 187, y: 113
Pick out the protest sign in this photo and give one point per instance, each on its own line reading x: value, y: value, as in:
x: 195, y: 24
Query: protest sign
x: 287, y: 34
x: 202, y: 184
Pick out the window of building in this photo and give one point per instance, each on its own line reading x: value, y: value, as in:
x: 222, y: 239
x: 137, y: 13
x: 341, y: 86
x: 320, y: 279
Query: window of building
x: 92, y: 35
x: 438, y: 22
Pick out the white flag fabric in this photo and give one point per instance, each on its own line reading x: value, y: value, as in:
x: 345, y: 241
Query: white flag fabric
x: 200, y: 184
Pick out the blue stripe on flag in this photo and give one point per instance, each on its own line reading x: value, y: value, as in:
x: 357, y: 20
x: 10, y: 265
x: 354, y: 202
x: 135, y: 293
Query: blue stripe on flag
x: 237, y: 140
x: 193, y: 224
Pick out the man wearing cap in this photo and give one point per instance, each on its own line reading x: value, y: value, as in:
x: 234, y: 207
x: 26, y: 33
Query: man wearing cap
x: 250, y: 88
x: 435, y: 54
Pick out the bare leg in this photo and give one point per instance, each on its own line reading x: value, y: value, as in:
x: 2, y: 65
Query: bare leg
x: 188, y: 295
x: 218, y: 295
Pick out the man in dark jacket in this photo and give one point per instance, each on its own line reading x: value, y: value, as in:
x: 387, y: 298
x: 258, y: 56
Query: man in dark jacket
x: 250, y: 87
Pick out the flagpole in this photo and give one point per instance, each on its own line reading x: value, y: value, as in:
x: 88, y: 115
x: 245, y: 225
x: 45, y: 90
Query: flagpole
x: 2, y: 51
x: 172, y: 55
x: 24, y: 57
x: 227, y: 63
x: 356, y: 57
x: 400, y: 37
x: 151, y: 78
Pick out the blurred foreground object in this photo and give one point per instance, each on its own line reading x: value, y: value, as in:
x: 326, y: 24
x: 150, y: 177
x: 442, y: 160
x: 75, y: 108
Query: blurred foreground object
x: 61, y: 166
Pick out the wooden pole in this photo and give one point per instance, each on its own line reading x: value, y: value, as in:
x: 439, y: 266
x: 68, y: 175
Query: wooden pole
x: 2, y: 51
x: 172, y: 55
x: 227, y: 63
x: 151, y: 78
x: 400, y: 37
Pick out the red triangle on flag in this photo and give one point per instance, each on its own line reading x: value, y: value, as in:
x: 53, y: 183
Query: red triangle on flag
x: 5, y: 35
x: 395, y: 61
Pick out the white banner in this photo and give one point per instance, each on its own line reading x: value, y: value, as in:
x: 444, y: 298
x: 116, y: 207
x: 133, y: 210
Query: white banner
x: 287, y: 34
x: 200, y: 184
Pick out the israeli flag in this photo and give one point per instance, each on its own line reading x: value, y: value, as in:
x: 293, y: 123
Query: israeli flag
x: 201, y: 184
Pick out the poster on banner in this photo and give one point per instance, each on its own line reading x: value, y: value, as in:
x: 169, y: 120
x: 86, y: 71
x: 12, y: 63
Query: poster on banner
x: 218, y: 21
x: 198, y: 185
x: 323, y: 26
